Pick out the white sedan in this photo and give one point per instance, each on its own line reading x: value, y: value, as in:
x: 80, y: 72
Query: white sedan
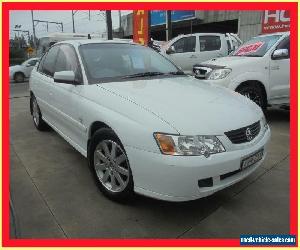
x: 144, y: 126
x: 19, y: 73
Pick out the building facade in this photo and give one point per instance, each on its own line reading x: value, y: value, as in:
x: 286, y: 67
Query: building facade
x: 246, y: 23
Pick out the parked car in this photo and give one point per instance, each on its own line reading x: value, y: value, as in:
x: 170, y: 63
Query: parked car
x: 187, y: 50
x: 19, y: 73
x: 259, y: 69
x: 144, y: 126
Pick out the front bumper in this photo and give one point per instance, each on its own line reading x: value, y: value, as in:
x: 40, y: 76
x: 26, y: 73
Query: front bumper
x: 175, y: 178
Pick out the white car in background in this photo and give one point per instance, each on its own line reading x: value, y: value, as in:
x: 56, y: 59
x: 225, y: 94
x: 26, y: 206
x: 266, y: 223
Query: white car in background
x: 19, y: 73
x: 144, y: 126
x: 187, y: 50
x: 259, y: 69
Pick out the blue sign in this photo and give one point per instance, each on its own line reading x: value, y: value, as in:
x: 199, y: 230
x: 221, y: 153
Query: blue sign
x: 158, y: 17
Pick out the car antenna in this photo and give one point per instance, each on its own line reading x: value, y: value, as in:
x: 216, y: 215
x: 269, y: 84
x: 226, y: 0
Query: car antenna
x: 89, y: 36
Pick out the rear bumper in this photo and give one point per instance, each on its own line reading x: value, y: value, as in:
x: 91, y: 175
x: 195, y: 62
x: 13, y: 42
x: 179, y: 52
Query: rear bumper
x: 175, y: 178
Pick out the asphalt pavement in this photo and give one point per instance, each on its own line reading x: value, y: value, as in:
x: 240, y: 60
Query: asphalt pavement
x: 54, y: 195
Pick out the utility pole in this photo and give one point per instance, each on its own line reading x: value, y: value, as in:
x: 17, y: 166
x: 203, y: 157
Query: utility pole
x: 120, y: 21
x: 47, y: 23
x: 168, y: 25
x: 109, y: 25
x: 73, y: 13
x: 33, y: 30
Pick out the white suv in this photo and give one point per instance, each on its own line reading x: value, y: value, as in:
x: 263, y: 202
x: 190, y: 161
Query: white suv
x: 143, y: 125
x: 259, y: 69
x: 187, y: 50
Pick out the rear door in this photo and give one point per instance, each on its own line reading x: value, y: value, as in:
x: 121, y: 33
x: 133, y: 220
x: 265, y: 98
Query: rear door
x: 211, y: 46
x: 185, y: 55
x: 42, y: 83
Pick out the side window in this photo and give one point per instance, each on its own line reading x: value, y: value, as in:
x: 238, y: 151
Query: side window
x: 209, y: 43
x: 49, y: 61
x: 185, y: 44
x: 68, y: 61
x: 284, y: 44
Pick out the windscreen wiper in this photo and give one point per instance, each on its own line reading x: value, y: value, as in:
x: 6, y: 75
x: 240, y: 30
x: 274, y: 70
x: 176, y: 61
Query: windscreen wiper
x: 176, y: 73
x: 144, y: 74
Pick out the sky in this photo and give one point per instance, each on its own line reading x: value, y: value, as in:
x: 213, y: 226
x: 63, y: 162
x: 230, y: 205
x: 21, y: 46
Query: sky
x: 97, y: 24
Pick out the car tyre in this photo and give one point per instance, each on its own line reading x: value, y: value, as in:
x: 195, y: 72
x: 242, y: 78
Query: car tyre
x: 19, y: 77
x: 254, y: 93
x: 38, y: 121
x: 108, y: 160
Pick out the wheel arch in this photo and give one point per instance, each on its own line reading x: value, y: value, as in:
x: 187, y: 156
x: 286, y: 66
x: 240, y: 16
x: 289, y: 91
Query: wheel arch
x: 19, y: 72
x: 96, y: 125
x: 30, y: 103
x: 256, y: 83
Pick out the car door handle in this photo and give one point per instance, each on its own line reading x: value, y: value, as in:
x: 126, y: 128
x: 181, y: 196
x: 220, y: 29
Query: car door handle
x: 193, y: 56
x: 275, y: 67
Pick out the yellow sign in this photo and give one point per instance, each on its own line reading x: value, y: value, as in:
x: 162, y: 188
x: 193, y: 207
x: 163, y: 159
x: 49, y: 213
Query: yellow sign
x: 29, y: 50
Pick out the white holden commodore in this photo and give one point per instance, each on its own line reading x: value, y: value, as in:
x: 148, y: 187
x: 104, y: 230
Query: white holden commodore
x: 144, y: 126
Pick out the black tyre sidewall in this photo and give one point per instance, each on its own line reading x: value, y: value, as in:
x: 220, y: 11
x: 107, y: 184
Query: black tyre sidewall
x: 108, y: 134
x: 253, y: 88
x: 42, y: 126
x: 19, y: 74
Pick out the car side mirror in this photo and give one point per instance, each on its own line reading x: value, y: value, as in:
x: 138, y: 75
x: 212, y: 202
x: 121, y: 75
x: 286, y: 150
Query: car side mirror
x: 67, y: 77
x: 28, y: 65
x: 280, y: 53
x: 170, y: 50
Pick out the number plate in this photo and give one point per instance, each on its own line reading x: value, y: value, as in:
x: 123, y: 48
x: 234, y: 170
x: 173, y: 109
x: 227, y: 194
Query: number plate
x: 252, y: 159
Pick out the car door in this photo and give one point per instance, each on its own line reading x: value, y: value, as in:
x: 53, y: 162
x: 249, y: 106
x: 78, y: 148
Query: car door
x: 43, y: 83
x: 66, y: 96
x: 184, y: 54
x: 280, y: 75
x: 210, y: 46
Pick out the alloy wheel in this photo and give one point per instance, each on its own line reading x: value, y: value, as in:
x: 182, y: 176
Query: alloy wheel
x: 35, y: 112
x: 111, y: 166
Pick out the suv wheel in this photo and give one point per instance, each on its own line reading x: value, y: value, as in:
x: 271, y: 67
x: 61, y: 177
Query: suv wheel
x: 110, y: 164
x: 254, y: 93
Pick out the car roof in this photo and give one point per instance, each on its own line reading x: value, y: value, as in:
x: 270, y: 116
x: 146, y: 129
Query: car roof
x: 92, y: 41
x: 202, y: 34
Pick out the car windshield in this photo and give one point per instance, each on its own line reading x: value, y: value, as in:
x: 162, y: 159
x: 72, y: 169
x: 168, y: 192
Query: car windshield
x: 257, y: 47
x: 105, y: 62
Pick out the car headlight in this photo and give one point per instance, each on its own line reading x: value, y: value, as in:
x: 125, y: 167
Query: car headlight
x: 219, y: 74
x: 189, y: 145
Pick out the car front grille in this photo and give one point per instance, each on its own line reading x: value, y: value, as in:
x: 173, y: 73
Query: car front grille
x: 244, y: 134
